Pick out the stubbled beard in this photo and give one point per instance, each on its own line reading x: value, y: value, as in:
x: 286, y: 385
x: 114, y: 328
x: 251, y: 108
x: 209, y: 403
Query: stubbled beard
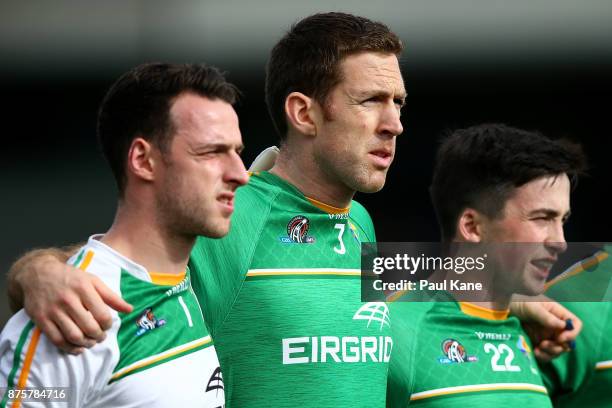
x: 186, y: 217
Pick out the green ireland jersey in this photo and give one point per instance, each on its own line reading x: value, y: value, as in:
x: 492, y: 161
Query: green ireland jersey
x: 282, y: 296
x: 449, y: 354
x: 583, y: 377
x: 159, y: 355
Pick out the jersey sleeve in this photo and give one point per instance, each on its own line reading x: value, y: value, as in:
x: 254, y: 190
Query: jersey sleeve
x: 30, y: 361
x: 219, y: 266
x: 407, y: 319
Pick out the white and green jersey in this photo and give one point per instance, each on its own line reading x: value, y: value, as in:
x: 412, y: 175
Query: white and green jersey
x: 282, y: 296
x: 450, y: 354
x: 159, y: 355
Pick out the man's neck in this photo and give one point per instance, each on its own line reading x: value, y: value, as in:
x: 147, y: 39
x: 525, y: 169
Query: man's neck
x: 311, y: 181
x: 144, y: 241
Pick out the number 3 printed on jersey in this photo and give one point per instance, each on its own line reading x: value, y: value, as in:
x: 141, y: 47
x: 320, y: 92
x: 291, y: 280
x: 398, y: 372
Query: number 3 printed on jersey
x: 342, y: 249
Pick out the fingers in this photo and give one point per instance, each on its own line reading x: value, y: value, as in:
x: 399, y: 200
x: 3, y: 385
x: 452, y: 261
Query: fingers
x: 552, y: 348
x: 96, y: 316
x: 70, y: 331
x: 110, y: 298
x: 69, y: 306
x: 76, y: 304
x: 548, y: 350
x: 87, y: 323
x: 572, y: 325
x: 542, y: 356
x: 570, y: 334
x: 55, y: 336
x: 548, y: 314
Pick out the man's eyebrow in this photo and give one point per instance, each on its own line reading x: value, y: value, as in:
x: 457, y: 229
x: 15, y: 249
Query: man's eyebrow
x: 217, y: 146
x: 380, y: 92
x: 549, y: 213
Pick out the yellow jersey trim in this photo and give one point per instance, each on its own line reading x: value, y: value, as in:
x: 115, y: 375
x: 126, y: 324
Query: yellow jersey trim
x: 167, y: 279
x: 471, y: 309
x: 162, y: 356
x: 328, y: 208
x: 311, y: 271
x: 478, y: 388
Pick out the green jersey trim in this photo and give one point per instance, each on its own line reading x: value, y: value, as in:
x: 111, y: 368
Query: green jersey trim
x: 16, y: 361
x: 464, y: 389
x: 160, y: 358
x: 79, y: 257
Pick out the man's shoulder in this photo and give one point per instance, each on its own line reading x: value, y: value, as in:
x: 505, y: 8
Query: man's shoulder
x: 106, y: 263
x: 361, y: 217
x: 359, y: 212
x: 258, y: 185
x: 253, y: 204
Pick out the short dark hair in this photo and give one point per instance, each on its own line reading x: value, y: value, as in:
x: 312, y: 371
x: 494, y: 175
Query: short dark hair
x: 138, y: 105
x: 307, y: 58
x: 479, y: 167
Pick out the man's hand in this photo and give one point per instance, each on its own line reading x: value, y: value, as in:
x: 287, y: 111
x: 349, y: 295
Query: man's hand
x: 552, y: 328
x: 67, y: 304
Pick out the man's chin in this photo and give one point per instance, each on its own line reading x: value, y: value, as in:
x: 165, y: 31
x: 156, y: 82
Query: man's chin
x: 373, y: 185
x: 219, y: 230
x: 534, y: 289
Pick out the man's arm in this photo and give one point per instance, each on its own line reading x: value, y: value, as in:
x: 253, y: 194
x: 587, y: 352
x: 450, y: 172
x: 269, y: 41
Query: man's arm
x: 546, y: 322
x: 67, y: 304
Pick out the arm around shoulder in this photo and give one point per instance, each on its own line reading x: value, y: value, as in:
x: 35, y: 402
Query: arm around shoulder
x: 26, y: 268
x: 68, y: 305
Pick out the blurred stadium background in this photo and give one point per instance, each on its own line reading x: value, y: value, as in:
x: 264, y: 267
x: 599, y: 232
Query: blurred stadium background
x: 543, y: 65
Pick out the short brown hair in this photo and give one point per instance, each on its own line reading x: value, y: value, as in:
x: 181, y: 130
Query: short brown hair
x: 307, y: 59
x: 481, y: 166
x: 138, y: 105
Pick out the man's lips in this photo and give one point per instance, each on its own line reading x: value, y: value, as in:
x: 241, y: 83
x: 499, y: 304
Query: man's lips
x: 381, y: 157
x: 227, y: 202
x: 544, y: 265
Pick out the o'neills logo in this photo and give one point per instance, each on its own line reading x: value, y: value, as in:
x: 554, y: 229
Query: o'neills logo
x: 454, y: 352
x: 297, y: 231
x: 345, y: 349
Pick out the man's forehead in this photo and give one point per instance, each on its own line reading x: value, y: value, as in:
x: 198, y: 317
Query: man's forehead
x: 189, y: 106
x: 369, y: 71
x: 543, y: 193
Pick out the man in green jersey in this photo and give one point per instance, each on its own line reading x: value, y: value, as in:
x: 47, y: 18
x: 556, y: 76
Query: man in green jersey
x: 171, y: 138
x: 491, y: 184
x: 281, y: 293
x: 584, y: 377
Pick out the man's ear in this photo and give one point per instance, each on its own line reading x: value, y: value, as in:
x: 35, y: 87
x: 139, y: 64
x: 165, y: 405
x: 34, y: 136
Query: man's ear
x: 470, y: 225
x: 140, y: 159
x: 299, y: 111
